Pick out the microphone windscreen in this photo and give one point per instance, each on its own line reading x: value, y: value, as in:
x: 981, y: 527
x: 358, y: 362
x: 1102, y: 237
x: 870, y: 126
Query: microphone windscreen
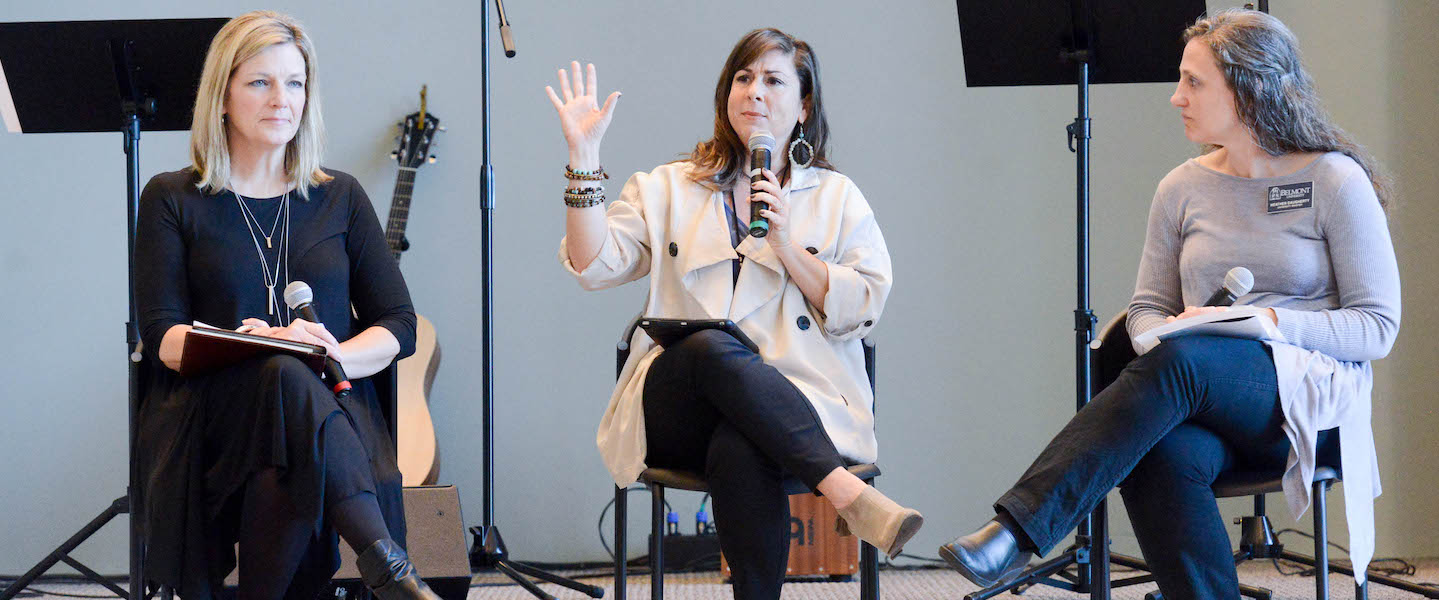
x: 297, y: 293
x: 761, y: 139
x: 1239, y: 281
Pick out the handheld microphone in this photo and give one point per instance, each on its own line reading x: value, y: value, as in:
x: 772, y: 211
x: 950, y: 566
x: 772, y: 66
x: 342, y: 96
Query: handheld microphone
x: 761, y: 146
x: 1237, y: 282
x: 300, y: 299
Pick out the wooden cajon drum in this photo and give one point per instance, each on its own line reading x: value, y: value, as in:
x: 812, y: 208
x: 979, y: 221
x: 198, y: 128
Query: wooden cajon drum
x: 815, y: 549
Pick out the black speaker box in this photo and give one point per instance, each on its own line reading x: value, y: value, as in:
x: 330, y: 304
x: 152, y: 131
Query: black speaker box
x: 435, y: 542
x: 436, y: 545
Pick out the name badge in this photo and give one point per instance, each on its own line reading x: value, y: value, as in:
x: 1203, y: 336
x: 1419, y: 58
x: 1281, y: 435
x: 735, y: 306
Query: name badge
x: 1284, y: 198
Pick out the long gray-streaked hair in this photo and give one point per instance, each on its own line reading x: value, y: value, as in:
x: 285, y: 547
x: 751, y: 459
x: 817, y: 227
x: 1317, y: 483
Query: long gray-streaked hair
x: 1273, y: 94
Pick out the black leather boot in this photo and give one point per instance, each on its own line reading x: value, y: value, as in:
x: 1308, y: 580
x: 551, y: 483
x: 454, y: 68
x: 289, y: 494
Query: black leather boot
x: 386, y: 570
x: 986, y: 557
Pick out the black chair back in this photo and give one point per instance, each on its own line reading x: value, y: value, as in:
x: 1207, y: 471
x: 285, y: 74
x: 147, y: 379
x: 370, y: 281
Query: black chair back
x: 387, y: 383
x: 1111, y: 352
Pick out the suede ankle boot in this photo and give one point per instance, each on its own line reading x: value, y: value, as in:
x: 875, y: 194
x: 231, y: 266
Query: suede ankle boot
x: 386, y: 570
x: 880, y: 521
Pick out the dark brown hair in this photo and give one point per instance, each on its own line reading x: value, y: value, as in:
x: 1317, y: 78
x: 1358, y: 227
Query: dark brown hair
x: 719, y: 160
x: 1273, y: 94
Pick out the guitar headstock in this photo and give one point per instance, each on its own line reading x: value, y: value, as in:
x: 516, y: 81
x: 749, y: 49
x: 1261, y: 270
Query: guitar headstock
x: 417, y: 135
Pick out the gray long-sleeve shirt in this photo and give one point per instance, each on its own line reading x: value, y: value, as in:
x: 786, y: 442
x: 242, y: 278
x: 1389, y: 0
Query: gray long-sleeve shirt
x: 1327, y: 267
x: 1318, y: 244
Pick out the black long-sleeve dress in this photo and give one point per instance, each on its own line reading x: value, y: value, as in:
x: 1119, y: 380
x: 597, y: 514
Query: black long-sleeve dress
x: 201, y: 438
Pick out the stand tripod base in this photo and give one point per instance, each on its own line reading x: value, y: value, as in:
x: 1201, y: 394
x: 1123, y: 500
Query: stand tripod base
x: 1056, y: 572
x: 1257, y: 542
x: 489, y: 552
x: 1246, y: 591
x: 61, y: 554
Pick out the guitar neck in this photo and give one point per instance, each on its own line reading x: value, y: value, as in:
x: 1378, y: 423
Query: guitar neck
x: 400, y: 211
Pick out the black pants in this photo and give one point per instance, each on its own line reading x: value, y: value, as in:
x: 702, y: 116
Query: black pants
x: 1175, y: 419
x: 712, y: 405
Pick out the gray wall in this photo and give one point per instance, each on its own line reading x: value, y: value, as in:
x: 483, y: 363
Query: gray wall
x: 973, y: 187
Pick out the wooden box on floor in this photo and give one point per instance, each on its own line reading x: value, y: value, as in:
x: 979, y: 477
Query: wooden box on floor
x: 815, y: 549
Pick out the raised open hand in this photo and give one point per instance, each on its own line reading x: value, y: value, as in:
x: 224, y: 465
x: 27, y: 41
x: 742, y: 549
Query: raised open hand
x: 583, y: 120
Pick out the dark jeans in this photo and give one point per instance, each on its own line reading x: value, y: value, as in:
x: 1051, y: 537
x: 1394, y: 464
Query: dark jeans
x: 714, y: 406
x: 1176, y: 418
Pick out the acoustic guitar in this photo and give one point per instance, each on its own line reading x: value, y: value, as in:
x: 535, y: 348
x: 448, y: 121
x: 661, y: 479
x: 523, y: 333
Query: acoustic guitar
x: 419, y: 452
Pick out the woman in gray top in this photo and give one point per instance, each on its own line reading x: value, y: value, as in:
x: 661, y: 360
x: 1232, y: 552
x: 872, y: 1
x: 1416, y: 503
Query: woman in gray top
x: 1284, y: 192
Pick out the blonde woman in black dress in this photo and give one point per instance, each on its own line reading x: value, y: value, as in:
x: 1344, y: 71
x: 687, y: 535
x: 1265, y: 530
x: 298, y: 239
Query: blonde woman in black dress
x: 262, y: 454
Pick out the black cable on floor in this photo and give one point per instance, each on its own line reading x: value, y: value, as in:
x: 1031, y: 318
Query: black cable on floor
x: 600, y: 524
x: 930, y: 563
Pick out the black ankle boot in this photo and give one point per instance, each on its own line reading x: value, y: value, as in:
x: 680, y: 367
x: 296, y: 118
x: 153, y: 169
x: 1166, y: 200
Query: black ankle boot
x: 387, y: 571
x: 986, y: 557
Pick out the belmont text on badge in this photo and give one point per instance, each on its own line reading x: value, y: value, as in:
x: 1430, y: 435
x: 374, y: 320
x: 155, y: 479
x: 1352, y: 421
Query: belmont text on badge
x: 1284, y: 198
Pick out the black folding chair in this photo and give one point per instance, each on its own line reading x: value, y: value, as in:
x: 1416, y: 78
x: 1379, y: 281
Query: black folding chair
x: 1112, y: 351
x: 657, y: 480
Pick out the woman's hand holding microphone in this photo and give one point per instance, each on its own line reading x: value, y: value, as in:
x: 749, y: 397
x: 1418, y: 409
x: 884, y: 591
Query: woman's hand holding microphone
x: 769, y: 191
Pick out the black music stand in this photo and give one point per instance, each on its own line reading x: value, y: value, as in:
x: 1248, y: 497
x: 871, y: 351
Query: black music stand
x: 91, y: 76
x: 1068, y: 42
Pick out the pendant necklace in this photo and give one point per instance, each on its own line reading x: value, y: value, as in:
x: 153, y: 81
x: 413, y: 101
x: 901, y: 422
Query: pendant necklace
x: 249, y: 214
x: 270, y: 278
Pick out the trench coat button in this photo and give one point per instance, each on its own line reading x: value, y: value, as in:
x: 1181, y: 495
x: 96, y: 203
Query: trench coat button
x: 803, y: 322
x: 674, y: 249
x: 812, y: 250
x: 869, y: 323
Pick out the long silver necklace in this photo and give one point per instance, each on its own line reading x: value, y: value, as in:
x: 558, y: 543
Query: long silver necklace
x: 251, y: 214
x: 271, y: 278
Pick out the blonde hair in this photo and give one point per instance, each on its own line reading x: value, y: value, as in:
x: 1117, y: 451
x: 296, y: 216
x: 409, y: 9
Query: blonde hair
x: 238, y: 41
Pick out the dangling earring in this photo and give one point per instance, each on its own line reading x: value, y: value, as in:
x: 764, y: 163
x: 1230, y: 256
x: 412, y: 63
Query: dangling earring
x: 808, y: 150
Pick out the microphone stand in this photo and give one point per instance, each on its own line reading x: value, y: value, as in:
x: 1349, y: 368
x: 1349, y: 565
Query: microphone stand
x: 489, y: 547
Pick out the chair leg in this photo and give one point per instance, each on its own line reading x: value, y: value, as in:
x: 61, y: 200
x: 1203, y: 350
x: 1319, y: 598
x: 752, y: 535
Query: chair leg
x: 1321, y: 543
x: 868, y: 565
x: 657, y: 536
x: 621, y: 542
x: 868, y: 572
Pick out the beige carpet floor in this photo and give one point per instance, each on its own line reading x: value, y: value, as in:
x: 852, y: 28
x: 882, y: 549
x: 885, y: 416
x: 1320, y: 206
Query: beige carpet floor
x: 943, y: 584
x: 921, y: 584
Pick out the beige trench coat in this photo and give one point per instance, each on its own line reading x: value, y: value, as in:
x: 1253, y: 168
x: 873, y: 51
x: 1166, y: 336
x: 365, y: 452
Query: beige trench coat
x: 668, y: 227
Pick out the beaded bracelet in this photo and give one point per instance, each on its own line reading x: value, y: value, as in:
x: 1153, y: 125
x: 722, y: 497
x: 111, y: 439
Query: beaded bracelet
x: 584, y: 203
x: 595, y: 175
x: 584, y: 199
